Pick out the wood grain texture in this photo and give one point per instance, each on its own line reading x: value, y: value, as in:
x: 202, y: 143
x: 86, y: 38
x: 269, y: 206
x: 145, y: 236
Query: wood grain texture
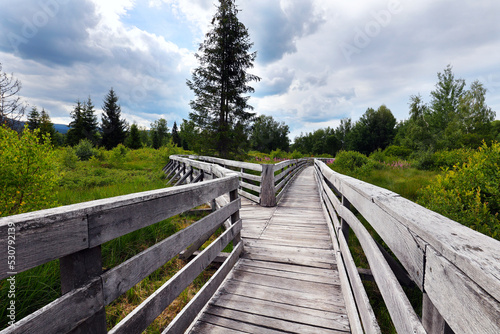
x: 195, y: 305
x: 60, y: 316
x: 123, y: 277
x: 140, y: 318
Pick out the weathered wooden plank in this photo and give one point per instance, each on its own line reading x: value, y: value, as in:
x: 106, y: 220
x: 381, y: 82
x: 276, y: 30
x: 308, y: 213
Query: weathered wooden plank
x: 249, y: 196
x: 232, y: 163
x: 292, y: 275
x: 124, y: 276
x: 140, y: 318
x: 60, y: 316
x: 269, y: 322
x: 291, y: 251
x: 250, y: 186
x: 366, y: 313
x: 312, y: 288
x: 288, y: 268
x: 267, y: 194
x: 191, y: 310
x: 402, y: 314
x: 184, y: 177
x: 398, y: 237
x: 466, y: 306
x: 40, y: 237
x: 232, y: 326
x: 284, y: 311
x: 328, y: 303
x: 145, y: 210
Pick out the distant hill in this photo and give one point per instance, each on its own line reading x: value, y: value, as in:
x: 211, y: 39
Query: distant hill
x: 62, y: 128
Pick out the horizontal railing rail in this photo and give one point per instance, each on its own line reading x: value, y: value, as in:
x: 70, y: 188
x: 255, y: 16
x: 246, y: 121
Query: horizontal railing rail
x: 261, y: 183
x: 456, y: 268
x: 74, y: 234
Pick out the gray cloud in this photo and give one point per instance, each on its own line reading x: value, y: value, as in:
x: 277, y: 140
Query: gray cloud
x: 275, y: 30
x: 49, y: 31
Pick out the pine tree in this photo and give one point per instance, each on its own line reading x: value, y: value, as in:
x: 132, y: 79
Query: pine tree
x: 84, y: 124
x: 176, y: 139
x: 76, y: 130
x: 133, y: 140
x: 220, y: 81
x: 90, y: 122
x: 47, y: 127
x: 33, y: 119
x: 114, y: 129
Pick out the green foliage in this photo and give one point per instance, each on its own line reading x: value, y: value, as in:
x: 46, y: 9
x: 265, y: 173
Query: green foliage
x: 84, y: 150
x: 68, y: 157
x: 375, y: 129
x: 321, y: 141
x: 118, y: 155
x: 353, y: 163
x: 268, y: 135
x: 398, y: 151
x: 469, y: 192
x: 219, y: 109
x: 83, y: 125
x: 29, y: 172
x: 133, y: 140
x: 159, y: 133
x: 114, y: 129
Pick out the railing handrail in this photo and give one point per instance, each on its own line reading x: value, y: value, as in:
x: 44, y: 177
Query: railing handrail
x: 74, y: 234
x: 457, y: 268
x: 270, y: 187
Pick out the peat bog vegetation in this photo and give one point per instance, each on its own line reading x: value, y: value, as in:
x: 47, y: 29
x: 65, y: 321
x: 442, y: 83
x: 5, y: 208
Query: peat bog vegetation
x: 85, y: 173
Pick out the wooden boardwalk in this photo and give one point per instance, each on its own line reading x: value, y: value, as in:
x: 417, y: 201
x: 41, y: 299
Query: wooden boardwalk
x: 286, y: 280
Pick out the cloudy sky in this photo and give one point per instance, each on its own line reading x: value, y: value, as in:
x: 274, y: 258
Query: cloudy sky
x: 319, y: 60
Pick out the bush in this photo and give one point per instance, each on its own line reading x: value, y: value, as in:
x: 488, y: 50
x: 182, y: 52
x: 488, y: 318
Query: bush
x: 398, y: 151
x: 118, y: 155
x: 84, y: 150
x: 69, y: 158
x: 353, y: 163
x: 28, y: 170
x: 469, y: 193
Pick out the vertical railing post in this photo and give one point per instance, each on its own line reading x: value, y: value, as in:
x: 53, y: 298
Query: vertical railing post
x: 267, y: 193
x: 77, y: 270
x: 432, y: 320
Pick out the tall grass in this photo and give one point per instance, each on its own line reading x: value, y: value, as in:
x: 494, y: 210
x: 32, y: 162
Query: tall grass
x: 101, y: 177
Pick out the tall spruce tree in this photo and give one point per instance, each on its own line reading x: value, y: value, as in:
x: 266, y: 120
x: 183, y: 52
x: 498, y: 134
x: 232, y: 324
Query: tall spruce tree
x: 47, y: 127
x: 114, y: 129
x: 33, y: 119
x: 221, y: 81
x: 84, y: 124
x: 176, y: 139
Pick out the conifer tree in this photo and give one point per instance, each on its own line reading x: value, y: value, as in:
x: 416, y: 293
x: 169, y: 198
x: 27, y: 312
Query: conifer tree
x: 221, y: 81
x: 84, y: 124
x: 176, y: 139
x: 133, y: 140
x: 47, y: 127
x: 33, y: 119
x: 114, y: 129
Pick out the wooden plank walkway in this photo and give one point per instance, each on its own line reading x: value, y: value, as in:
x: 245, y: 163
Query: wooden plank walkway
x: 286, y: 280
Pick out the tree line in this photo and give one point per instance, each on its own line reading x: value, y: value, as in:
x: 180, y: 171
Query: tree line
x: 455, y: 117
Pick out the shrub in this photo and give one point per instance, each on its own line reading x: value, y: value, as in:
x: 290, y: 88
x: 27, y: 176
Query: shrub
x: 353, y: 163
x: 69, y: 158
x: 28, y: 170
x: 398, y: 151
x: 84, y: 150
x: 118, y: 155
x: 469, y: 193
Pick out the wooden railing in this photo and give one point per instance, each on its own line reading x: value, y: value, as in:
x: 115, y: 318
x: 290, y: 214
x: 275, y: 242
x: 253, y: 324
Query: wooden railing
x: 261, y: 183
x: 74, y: 234
x: 457, y: 269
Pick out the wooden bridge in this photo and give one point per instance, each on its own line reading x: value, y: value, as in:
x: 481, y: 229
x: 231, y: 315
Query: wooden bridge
x: 290, y: 270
